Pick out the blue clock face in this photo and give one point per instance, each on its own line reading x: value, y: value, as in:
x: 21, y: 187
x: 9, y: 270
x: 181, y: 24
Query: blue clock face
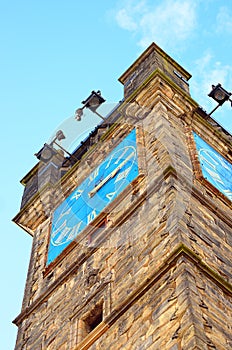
x: 215, y: 168
x: 89, y: 199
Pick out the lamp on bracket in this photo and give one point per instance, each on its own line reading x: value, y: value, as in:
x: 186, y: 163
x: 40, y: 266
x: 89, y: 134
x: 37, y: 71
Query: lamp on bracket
x: 220, y: 95
x: 92, y: 102
x: 48, y: 150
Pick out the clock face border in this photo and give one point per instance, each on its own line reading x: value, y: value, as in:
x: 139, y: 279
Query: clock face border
x: 213, y: 169
x: 128, y: 141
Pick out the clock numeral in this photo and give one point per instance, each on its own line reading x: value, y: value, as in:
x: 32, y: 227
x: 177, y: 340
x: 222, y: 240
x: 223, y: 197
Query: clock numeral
x: 93, y: 175
x: 77, y: 194
x: 65, y: 213
x: 61, y: 238
x: 110, y: 195
x: 74, y: 232
x: 91, y: 216
x: 122, y: 175
x: 214, y: 175
x: 60, y: 228
x: 118, y: 158
x: 209, y: 160
x: 67, y: 233
x: 212, y: 160
x: 108, y: 164
x: 122, y: 155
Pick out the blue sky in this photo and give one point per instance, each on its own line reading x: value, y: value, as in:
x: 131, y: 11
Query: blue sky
x: 54, y: 53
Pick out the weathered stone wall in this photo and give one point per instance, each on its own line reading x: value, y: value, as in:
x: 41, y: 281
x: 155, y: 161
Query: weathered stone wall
x: 182, y: 309
x: 162, y: 269
x: 153, y: 59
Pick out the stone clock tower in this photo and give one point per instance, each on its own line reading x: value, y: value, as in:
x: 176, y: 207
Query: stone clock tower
x: 132, y: 232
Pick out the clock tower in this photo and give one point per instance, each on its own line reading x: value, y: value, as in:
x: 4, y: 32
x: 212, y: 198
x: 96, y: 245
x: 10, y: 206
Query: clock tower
x: 132, y: 231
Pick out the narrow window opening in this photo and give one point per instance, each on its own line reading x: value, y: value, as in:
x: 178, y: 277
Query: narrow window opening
x: 93, y: 319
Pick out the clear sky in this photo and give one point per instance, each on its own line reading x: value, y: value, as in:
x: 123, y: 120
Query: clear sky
x: 54, y: 53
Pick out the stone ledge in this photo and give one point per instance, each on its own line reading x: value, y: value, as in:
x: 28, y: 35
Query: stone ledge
x: 179, y: 251
x: 92, y: 337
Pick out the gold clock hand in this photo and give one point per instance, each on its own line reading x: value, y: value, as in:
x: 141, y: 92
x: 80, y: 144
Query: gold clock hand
x: 110, y: 176
x: 102, y: 183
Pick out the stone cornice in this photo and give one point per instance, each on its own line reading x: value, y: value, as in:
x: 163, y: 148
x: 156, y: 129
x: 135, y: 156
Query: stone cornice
x: 153, y: 48
x: 197, y: 114
x: 181, y: 251
x: 63, y: 277
x: 92, y: 337
x: 201, y: 119
x: 215, y: 206
x: 23, y: 219
x: 30, y: 174
x: 158, y: 73
x: 150, y: 280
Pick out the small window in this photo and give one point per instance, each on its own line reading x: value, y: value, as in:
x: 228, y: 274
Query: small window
x: 88, y: 322
x: 92, y: 319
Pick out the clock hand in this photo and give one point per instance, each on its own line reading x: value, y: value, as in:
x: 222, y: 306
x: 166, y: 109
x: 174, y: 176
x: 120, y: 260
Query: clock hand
x: 110, y: 176
x: 102, y: 183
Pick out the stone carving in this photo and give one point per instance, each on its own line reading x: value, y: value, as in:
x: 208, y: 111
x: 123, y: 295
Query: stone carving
x: 92, y: 278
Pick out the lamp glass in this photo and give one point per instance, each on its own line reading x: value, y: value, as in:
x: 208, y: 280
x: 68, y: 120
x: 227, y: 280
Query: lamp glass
x: 219, y: 94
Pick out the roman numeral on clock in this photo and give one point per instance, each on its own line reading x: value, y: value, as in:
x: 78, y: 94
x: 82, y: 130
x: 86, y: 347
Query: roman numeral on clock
x: 110, y: 195
x: 93, y: 175
x: 122, y: 175
x: 91, y: 216
x: 77, y: 194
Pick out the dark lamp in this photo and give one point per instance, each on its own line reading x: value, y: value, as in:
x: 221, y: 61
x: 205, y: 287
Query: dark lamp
x: 219, y: 94
x: 48, y: 151
x: 92, y: 102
